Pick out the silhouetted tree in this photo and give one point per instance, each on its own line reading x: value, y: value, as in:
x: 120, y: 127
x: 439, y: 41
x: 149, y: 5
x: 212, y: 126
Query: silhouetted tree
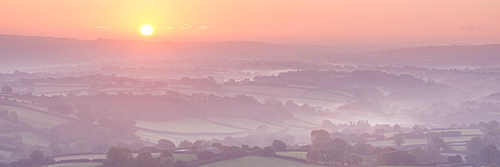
x: 490, y: 154
x: 353, y: 159
x: 399, y: 139
x: 145, y: 159
x: 268, y: 151
x: 314, y: 155
x: 475, y: 144
x: 455, y: 159
x: 185, y: 144
x: 165, y: 144
x: 6, y: 89
x: 118, y: 157
x: 279, y: 145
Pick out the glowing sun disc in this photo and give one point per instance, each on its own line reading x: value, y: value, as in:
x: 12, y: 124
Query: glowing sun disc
x: 147, y: 30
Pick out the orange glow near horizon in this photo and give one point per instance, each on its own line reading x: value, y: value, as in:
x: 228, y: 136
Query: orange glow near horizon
x: 279, y: 21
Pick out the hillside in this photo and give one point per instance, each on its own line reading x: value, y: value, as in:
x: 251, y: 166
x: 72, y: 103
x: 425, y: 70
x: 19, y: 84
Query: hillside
x: 252, y: 161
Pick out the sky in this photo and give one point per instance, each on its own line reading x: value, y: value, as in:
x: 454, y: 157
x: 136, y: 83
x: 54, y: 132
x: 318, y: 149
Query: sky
x: 422, y: 22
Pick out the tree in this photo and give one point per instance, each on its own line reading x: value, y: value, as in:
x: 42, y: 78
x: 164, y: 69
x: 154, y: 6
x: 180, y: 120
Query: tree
x: 396, y: 128
x: 399, y: 139
x: 185, y: 144
x: 145, y: 159
x: 475, y: 144
x: 321, y: 139
x: 337, y: 156
x: 279, y: 145
x: 218, y: 145
x: 165, y: 144
x: 455, y: 159
x: 118, y: 157
x: 342, y: 145
x: 353, y: 159
x: 313, y: 156
x: 362, y: 148
x: 166, y: 153
x: 37, y: 157
x: 268, y: 151
x: 474, y: 159
x: 438, y: 143
x: 490, y: 154
x: 166, y: 159
x: 6, y: 89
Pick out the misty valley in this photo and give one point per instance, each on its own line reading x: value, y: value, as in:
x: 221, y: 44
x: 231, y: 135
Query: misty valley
x: 231, y: 103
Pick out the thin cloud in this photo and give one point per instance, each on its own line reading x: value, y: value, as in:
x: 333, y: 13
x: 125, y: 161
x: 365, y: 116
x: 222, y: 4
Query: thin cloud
x: 103, y: 27
x: 470, y: 28
x: 168, y: 27
x: 203, y: 27
x: 186, y: 26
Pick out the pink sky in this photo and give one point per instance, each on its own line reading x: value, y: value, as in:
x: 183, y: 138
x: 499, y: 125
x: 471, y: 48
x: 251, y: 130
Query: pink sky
x: 279, y: 21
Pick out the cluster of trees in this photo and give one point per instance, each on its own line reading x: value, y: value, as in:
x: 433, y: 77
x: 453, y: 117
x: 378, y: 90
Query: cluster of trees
x: 342, y: 79
x: 6, y: 89
x: 122, y: 157
x: 487, y: 155
x: 36, y: 158
x: 329, y: 151
x: 483, y: 150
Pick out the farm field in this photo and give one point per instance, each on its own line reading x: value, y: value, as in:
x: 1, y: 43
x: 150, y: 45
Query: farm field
x: 252, y: 161
x: 279, y: 91
x: 184, y: 157
x: 296, y: 154
x: 29, y: 138
x: 191, y: 125
x: 82, y: 164
x: 34, y: 118
x: 5, y: 153
x: 244, y: 123
x: 153, y: 137
x: 409, y: 142
x: 475, y: 132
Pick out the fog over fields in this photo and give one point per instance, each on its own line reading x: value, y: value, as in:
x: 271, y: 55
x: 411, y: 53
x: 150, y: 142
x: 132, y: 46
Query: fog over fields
x: 67, y: 96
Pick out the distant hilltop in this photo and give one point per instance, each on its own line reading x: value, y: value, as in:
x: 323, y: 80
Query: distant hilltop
x: 31, y: 50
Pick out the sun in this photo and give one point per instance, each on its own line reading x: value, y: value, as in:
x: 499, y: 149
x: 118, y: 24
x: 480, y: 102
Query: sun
x: 147, y: 30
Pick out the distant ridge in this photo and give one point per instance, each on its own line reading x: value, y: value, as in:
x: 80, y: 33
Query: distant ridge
x: 34, y: 51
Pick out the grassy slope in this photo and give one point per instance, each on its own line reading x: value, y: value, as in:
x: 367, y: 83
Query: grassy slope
x: 34, y: 118
x: 83, y: 164
x: 253, y: 161
x: 296, y: 154
x: 184, y: 157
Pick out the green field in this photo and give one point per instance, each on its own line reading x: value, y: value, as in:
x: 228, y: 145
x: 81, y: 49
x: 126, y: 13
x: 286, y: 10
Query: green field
x: 82, y: 164
x: 29, y: 138
x: 184, y: 157
x: 280, y: 91
x: 191, y: 125
x: 463, y: 131
x: 36, y: 119
x: 254, y: 161
x: 244, y: 123
x: 5, y: 153
x: 409, y: 142
x: 296, y: 154
x: 155, y: 136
